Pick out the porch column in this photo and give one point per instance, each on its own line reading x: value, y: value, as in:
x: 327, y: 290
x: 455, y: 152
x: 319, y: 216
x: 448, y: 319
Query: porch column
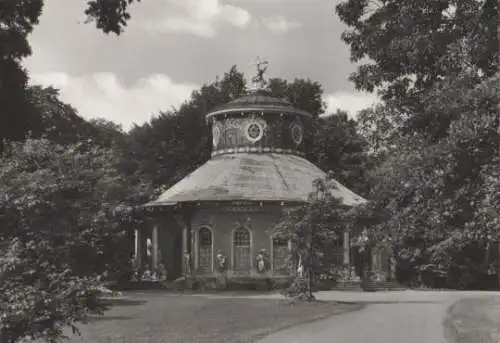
x: 196, y: 250
x: 185, y: 250
x: 137, y: 249
x: 154, y: 239
x: 374, y: 259
x: 347, y: 248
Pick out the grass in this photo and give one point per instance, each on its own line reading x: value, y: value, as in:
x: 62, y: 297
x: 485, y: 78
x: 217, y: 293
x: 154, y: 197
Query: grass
x: 159, y: 317
x: 474, y: 321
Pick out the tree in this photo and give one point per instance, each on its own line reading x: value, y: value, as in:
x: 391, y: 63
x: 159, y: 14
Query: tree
x: 434, y: 64
x: 18, y: 18
x: 108, y: 133
x: 339, y: 148
x: 175, y: 143
x: 63, y: 210
x: 407, y: 47
x: 60, y: 122
x: 437, y: 196
x: 302, y: 93
x: 313, y: 229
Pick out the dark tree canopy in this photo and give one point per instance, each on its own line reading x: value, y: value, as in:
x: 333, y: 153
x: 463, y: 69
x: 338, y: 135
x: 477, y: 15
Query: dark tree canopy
x: 18, y: 18
x: 110, y: 16
x: 406, y: 47
x: 436, y: 135
x: 339, y: 148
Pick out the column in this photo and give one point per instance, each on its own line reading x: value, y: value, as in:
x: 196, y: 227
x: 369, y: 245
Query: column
x: 154, y: 240
x: 185, y: 250
x: 374, y: 259
x: 196, y: 250
x: 347, y: 248
x: 138, y: 249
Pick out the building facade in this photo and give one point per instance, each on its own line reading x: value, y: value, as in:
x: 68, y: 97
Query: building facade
x: 224, y: 212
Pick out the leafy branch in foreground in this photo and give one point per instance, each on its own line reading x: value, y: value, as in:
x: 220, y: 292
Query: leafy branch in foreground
x: 62, y: 213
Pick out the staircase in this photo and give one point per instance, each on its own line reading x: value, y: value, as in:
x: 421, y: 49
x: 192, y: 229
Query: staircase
x: 377, y: 286
x: 349, y: 286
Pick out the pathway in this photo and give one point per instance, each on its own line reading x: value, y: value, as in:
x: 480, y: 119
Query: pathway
x: 389, y: 317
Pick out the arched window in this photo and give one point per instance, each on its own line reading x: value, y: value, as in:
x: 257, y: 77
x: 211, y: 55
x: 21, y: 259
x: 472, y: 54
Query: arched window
x: 242, y: 258
x: 280, y: 256
x: 205, y: 250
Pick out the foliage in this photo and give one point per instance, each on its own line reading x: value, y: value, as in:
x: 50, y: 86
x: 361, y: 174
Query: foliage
x: 63, y: 210
x: 175, y: 143
x: 411, y: 46
x: 39, y: 298
x: 110, y: 16
x: 436, y: 137
x: 339, y: 148
x: 302, y: 93
x: 60, y: 122
x: 313, y: 229
x: 18, y: 116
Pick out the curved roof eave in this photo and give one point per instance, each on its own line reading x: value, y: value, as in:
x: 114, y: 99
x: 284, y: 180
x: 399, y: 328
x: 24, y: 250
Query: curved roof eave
x: 252, y: 177
x: 259, y: 109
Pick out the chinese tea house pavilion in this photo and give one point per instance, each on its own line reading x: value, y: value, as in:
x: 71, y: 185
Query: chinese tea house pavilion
x: 227, y: 208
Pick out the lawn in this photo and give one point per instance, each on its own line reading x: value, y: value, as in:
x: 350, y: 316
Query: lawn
x: 474, y: 321
x: 160, y: 317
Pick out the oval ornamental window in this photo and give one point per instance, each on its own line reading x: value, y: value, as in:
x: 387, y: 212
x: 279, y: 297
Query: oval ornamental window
x: 254, y: 131
x: 297, y: 133
x: 216, y: 133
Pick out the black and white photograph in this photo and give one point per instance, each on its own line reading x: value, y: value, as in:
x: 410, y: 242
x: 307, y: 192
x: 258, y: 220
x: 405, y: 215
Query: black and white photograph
x: 249, y: 171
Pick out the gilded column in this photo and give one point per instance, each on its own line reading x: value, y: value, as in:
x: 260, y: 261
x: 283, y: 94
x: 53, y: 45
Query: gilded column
x: 347, y: 248
x: 185, y: 250
x: 155, y: 247
x: 195, y: 250
x: 137, y: 249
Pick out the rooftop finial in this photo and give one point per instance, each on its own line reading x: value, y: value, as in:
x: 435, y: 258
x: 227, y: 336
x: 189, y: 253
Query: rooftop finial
x: 259, y: 83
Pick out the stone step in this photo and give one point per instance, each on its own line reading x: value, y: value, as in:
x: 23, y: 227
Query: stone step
x: 373, y: 286
x: 350, y: 286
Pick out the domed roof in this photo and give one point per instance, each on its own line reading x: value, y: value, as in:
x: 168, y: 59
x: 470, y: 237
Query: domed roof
x: 258, y: 102
x: 252, y: 177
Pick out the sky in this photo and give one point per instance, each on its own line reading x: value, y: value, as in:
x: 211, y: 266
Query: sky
x: 172, y: 47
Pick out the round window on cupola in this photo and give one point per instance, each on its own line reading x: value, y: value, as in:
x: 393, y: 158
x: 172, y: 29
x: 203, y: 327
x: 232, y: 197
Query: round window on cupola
x: 216, y: 134
x: 297, y: 132
x: 254, y: 131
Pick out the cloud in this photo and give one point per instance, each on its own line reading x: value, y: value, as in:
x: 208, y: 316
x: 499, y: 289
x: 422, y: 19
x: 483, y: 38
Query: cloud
x: 103, y: 95
x: 279, y: 24
x: 199, y: 17
x: 351, y: 102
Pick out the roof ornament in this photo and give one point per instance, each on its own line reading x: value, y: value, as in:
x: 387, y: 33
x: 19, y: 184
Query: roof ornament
x: 258, y: 81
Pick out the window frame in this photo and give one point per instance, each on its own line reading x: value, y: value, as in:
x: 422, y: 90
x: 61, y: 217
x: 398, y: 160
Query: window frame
x: 250, y: 248
x: 197, y: 246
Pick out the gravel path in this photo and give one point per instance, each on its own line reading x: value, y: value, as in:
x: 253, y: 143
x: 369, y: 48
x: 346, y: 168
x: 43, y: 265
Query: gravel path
x: 408, y: 316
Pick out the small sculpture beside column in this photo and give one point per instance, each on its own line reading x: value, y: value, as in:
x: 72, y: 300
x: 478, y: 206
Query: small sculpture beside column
x: 300, y: 268
x: 187, y: 262
x: 263, y: 265
x: 221, y: 268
